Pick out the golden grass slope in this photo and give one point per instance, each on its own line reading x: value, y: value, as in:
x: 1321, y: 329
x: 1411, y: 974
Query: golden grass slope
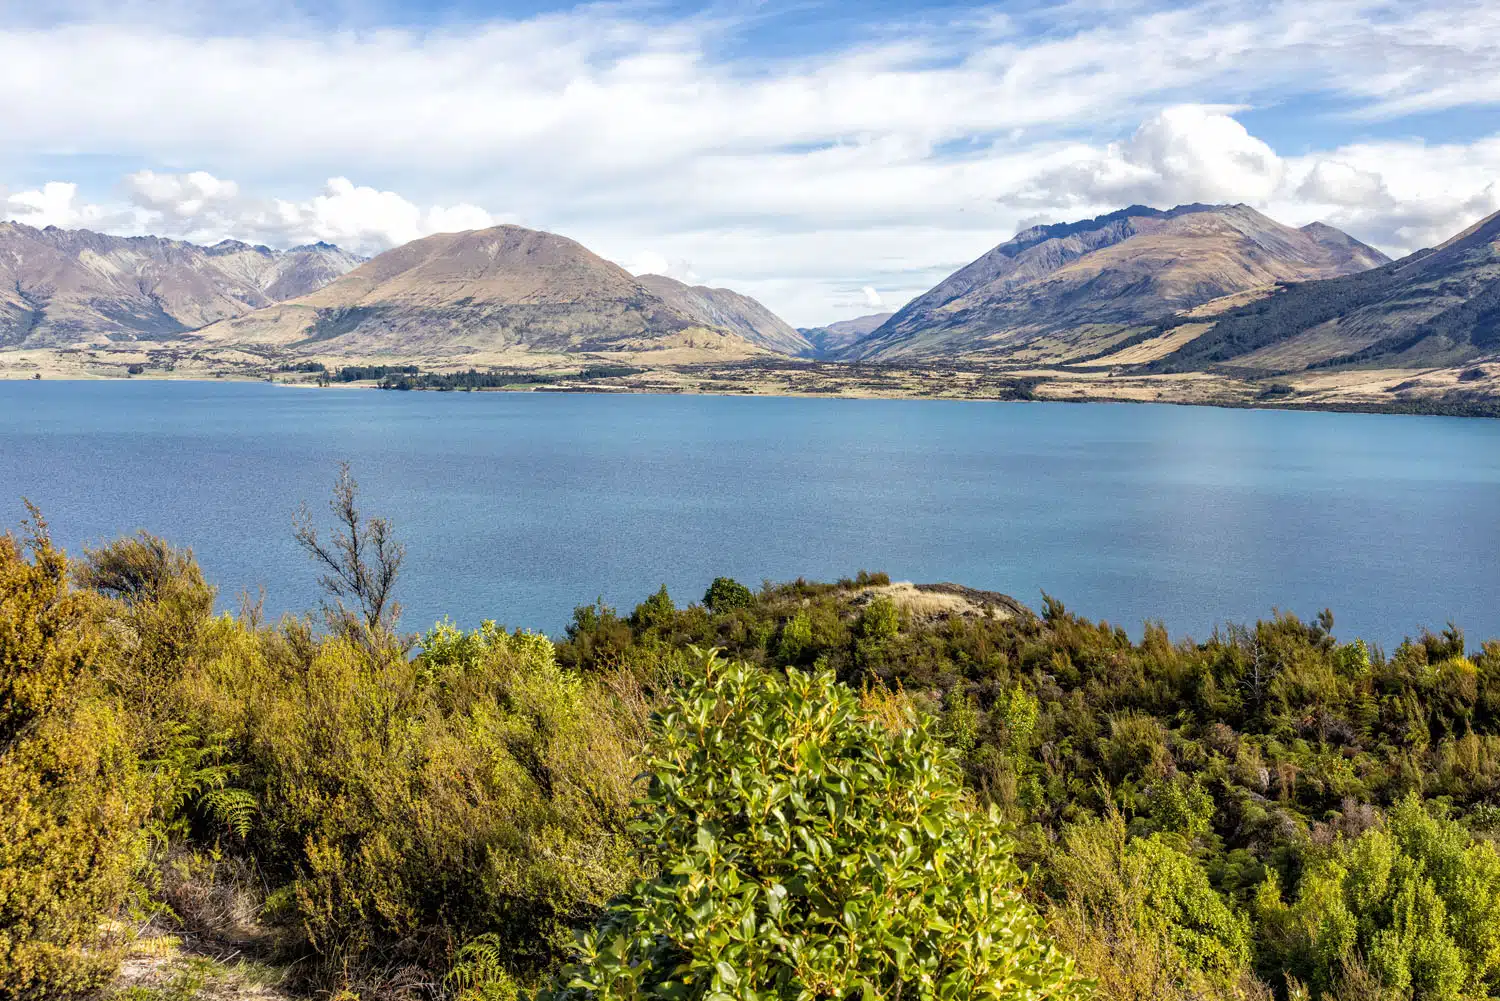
x: 472, y: 293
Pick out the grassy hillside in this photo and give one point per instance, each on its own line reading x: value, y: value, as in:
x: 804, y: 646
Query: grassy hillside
x: 369, y: 813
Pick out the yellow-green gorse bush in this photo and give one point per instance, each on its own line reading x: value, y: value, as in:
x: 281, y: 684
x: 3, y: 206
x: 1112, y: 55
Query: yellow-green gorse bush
x: 73, y: 797
x: 803, y: 850
x: 407, y: 803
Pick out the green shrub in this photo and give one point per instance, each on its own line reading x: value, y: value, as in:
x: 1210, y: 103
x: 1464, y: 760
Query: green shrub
x: 1416, y: 902
x: 726, y: 594
x: 1142, y: 916
x: 804, y: 851
x: 409, y: 804
x: 796, y: 638
x: 880, y: 620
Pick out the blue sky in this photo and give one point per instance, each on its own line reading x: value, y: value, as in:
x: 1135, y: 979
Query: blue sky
x: 823, y: 156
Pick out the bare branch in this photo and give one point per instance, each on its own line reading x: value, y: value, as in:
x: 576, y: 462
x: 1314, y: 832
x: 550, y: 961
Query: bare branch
x: 360, y: 564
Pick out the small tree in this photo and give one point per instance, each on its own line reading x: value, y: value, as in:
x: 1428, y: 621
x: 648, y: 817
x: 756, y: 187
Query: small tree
x: 807, y: 852
x: 361, y: 562
x: 656, y: 612
x: 726, y: 593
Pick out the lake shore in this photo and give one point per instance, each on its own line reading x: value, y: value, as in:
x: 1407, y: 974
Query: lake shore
x: 1470, y: 391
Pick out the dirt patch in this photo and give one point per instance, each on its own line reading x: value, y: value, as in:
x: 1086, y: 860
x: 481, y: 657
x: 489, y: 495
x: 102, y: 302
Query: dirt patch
x: 165, y: 972
x: 941, y: 601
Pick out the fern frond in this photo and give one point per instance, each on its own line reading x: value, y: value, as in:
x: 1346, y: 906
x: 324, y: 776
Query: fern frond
x: 158, y: 945
x: 478, y: 973
x: 234, y: 808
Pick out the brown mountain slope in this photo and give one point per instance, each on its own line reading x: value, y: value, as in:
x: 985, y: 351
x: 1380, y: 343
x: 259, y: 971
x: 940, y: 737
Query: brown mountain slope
x: 728, y: 310
x: 483, y: 291
x: 61, y: 287
x: 1438, y: 307
x: 1107, y: 274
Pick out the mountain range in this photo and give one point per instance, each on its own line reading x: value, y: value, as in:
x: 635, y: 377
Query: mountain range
x: 62, y: 287
x: 1105, y: 275
x: 1217, y: 289
x: 1435, y: 308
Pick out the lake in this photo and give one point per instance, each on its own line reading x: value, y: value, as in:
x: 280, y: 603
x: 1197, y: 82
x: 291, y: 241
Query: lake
x: 520, y: 506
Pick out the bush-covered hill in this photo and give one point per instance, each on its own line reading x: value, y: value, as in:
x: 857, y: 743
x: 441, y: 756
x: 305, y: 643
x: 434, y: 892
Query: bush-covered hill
x: 862, y: 792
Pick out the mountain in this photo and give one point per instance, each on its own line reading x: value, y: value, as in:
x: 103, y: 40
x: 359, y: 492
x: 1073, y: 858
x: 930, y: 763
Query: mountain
x: 60, y: 287
x: 1438, y: 307
x: 728, y: 310
x: 1104, y: 275
x: 840, y: 334
x: 484, y: 291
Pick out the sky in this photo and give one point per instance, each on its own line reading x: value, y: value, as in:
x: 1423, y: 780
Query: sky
x: 829, y: 157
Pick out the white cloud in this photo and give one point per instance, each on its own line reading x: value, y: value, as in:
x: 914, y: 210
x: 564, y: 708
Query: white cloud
x: 1400, y: 196
x: 872, y: 297
x: 53, y: 204
x: 1200, y: 154
x: 648, y: 262
x: 201, y: 207
x: 180, y: 196
x: 1334, y: 182
x: 364, y: 218
x: 1183, y: 153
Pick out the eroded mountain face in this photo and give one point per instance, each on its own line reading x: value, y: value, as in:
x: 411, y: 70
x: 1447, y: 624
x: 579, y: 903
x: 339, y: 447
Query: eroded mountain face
x: 729, y: 310
x: 1128, y: 268
x: 1438, y: 307
x: 64, y: 287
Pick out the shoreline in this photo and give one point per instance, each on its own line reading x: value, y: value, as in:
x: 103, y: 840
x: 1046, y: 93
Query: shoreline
x: 1482, y: 410
x: 1409, y: 392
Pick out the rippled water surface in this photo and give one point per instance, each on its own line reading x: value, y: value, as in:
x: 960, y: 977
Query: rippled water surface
x: 518, y: 507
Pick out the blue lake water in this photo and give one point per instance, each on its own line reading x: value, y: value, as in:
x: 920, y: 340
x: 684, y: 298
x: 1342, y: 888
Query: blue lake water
x: 518, y: 507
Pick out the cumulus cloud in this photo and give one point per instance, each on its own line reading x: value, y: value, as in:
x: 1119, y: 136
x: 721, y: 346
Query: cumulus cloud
x: 872, y: 297
x: 364, y: 218
x: 1400, y: 196
x: 53, y: 204
x: 1333, y: 182
x: 1202, y: 154
x: 179, y: 196
x: 201, y: 207
x: 1183, y: 153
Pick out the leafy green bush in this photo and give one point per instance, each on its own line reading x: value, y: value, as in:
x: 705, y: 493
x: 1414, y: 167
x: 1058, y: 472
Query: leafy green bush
x: 804, y: 851
x: 1415, y: 902
x: 726, y: 594
x: 1142, y: 916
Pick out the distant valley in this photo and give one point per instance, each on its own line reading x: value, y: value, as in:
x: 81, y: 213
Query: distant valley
x: 1199, y: 303
x: 832, y: 339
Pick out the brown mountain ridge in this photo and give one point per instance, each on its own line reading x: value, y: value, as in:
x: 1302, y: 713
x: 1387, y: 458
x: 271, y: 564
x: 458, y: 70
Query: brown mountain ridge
x: 498, y: 290
x: 64, y: 287
x: 1105, y: 275
x: 1435, y: 308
